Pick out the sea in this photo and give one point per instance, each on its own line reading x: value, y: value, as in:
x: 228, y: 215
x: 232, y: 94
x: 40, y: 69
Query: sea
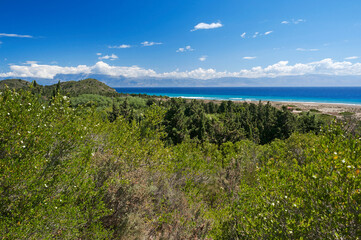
x: 343, y: 95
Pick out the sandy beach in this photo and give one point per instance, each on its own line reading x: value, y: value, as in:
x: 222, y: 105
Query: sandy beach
x: 335, y: 109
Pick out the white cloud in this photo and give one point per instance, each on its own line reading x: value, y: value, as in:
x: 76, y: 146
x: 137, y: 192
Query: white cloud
x: 351, y: 58
x: 98, y: 54
x: 294, y: 21
x: 243, y: 35
x: 203, y: 58
x: 249, y: 58
x: 14, y: 35
x: 185, y: 49
x: 298, y: 21
x: 255, y: 34
x: 43, y: 71
x: 282, y: 68
x: 148, y: 44
x: 307, y: 50
x: 269, y: 32
x: 120, y: 46
x: 111, y: 57
x: 207, y: 26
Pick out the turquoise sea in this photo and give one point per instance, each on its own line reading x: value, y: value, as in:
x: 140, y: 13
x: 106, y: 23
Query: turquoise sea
x: 345, y: 95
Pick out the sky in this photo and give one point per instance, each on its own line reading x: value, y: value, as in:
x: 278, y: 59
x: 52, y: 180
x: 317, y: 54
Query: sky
x: 180, y: 38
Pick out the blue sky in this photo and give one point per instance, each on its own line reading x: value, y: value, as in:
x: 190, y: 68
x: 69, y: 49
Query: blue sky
x: 44, y: 38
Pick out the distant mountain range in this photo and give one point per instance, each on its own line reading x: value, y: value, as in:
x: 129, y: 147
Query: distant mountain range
x: 284, y: 81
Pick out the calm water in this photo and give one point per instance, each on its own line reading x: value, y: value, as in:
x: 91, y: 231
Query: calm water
x: 348, y: 95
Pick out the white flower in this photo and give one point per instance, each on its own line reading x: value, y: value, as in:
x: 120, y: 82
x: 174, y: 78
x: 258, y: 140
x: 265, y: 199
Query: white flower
x: 29, y: 132
x: 45, y: 185
x: 314, y: 176
x: 285, y: 196
x: 23, y: 146
x: 343, y: 161
x: 273, y: 204
x: 335, y: 153
x: 21, y: 141
x: 56, y: 207
x: 9, y: 114
x: 294, y: 205
x: 348, y: 166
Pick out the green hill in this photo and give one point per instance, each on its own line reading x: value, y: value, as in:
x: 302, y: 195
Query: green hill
x: 70, y: 88
x: 14, y: 83
x: 86, y: 86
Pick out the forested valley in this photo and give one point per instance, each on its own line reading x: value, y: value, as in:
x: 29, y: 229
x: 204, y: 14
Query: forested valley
x: 89, y: 163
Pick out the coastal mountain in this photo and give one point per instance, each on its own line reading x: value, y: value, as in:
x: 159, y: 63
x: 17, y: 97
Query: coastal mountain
x: 282, y: 81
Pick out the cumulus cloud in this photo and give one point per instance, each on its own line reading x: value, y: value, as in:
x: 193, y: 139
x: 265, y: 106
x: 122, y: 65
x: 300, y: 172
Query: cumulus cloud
x: 207, y: 26
x: 43, y: 71
x: 98, y: 54
x: 243, y: 35
x: 255, y: 34
x: 148, y: 44
x: 282, y: 68
x: 203, y: 58
x: 351, y: 58
x: 185, y: 49
x: 285, y: 22
x: 14, y: 35
x: 269, y: 32
x: 110, y: 57
x: 307, y: 49
x: 249, y: 58
x: 120, y: 46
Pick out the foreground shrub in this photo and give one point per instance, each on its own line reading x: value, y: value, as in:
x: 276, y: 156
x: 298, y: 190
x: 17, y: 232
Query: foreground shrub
x: 46, y: 184
x: 315, y: 195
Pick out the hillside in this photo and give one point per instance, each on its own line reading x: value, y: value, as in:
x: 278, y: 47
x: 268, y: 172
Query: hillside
x: 86, y: 86
x: 70, y: 88
x: 14, y: 83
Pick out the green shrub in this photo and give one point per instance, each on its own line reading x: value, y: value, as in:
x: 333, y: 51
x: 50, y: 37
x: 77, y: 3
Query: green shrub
x: 46, y: 184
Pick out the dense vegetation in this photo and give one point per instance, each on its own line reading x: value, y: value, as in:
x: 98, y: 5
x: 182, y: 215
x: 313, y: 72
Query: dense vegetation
x: 126, y: 167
